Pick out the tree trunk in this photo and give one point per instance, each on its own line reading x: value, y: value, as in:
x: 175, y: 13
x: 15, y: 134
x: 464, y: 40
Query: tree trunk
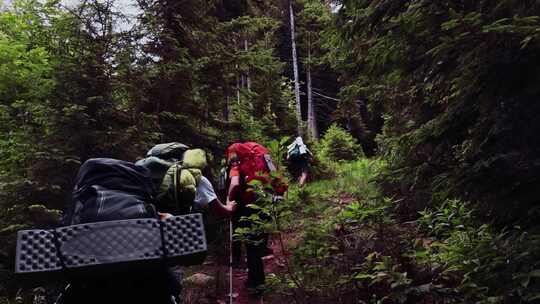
x: 248, y: 79
x: 295, y: 69
x: 226, y: 108
x: 238, y: 83
x: 312, y: 114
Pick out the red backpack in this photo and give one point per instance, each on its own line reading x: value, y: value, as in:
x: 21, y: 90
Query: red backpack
x: 255, y: 163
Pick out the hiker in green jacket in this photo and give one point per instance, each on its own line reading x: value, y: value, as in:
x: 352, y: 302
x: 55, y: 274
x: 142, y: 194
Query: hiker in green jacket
x: 177, y: 172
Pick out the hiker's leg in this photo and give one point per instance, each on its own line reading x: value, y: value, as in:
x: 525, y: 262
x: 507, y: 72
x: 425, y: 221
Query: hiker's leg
x: 237, y: 253
x: 303, y: 179
x: 303, y: 164
x: 294, y: 168
x: 254, y: 252
x: 175, y: 277
x: 159, y: 286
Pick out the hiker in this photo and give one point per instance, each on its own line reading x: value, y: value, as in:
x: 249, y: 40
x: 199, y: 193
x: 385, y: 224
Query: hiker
x: 123, y: 190
x: 110, y: 190
x: 172, y: 163
x: 298, y: 156
x: 184, y: 174
x: 246, y: 162
x: 206, y: 198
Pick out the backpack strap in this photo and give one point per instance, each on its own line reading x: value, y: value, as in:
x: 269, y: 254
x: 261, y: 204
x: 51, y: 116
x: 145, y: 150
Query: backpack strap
x: 269, y: 164
x: 176, y: 180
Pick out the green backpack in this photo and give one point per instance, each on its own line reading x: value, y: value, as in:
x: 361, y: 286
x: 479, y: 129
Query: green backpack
x: 176, y: 181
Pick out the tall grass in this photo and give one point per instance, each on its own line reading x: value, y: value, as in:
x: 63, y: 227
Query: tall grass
x: 317, y: 259
x: 321, y: 200
x: 351, y: 177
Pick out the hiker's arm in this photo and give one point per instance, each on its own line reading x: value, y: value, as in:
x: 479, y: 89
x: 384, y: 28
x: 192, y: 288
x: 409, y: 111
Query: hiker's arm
x: 206, y: 197
x: 223, y: 210
x: 233, y: 188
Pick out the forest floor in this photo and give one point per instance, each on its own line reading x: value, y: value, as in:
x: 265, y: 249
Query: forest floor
x: 274, y: 264
x: 216, y: 290
x: 313, y: 209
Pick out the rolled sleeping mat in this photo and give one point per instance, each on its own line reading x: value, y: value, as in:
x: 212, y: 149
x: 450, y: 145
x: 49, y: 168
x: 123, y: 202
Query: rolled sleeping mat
x: 95, y: 249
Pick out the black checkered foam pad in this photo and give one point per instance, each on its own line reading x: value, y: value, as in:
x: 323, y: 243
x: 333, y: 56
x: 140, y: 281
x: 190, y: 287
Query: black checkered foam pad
x: 185, y: 241
x: 36, y: 252
x: 105, y: 244
x: 110, y: 242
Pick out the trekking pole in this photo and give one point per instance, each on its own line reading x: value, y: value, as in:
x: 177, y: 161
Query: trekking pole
x: 230, y: 262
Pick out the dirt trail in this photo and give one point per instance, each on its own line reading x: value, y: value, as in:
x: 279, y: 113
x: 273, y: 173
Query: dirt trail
x: 272, y: 264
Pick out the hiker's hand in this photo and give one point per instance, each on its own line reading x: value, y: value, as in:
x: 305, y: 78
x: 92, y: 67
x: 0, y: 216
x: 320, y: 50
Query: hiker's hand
x: 164, y: 216
x: 231, y: 206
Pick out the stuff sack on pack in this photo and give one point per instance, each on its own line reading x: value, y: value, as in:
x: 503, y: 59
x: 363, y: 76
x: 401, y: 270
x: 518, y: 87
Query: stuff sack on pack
x: 173, y: 151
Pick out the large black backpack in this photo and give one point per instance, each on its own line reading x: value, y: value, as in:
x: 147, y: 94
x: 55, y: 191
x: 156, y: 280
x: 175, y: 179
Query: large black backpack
x: 106, y: 190
x: 109, y: 189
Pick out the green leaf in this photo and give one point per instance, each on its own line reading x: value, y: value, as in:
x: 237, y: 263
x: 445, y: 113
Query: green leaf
x: 363, y: 276
x: 533, y: 296
x: 535, y: 273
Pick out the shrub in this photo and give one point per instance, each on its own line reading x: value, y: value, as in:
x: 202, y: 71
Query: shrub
x: 480, y: 262
x: 320, y: 169
x: 337, y: 145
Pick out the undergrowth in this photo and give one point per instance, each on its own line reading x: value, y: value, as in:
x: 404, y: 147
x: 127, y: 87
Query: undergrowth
x: 348, y: 244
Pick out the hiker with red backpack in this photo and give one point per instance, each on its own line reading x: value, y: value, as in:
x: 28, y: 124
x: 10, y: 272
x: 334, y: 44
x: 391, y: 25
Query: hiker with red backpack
x: 247, y: 162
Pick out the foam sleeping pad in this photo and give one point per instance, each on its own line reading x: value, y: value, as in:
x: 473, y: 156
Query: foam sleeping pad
x: 94, y: 249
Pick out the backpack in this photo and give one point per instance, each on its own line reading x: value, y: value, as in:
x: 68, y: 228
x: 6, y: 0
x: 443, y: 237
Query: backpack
x: 175, y: 181
x: 109, y: 189
x: 255, y: 160
x: 160, y: 158
x: 255, y: 163
x: 173, y: 151
x: 294, y: 153
x: 297, y: 150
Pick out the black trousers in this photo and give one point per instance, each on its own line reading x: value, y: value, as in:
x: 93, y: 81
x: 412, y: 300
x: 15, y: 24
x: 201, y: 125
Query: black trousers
x: 255, y: 248
x: 298, y: 165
